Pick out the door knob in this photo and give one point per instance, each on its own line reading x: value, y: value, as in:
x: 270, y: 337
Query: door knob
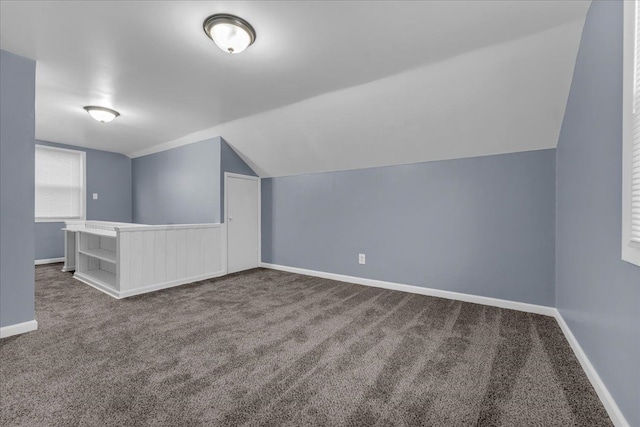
x: 230, y: 218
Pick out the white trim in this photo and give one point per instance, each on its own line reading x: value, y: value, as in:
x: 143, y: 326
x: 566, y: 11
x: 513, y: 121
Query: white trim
x: 38, y: 220
x: 630, y: 250
x: 241, y: 176
x: 83, y: 155
x: 81, y: 277
x: 18, y: 328
x: 259, y: 221
x: 226, y: 204
x: 142, y: 227
x: 223, y: 248
x: 69, y: 150
x: 49, y: 261
x: 603, y: 393
x: 151, y: 288
x: 458, y: 296
x: 166, y: 285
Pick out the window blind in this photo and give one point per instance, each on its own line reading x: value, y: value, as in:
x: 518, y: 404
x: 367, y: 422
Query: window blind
x: 59, y: 184
x: 635, y: 148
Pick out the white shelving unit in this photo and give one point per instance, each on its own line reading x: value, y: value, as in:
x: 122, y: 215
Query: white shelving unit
x: 130, y: 259
x: 97, y: 258
x: 70, y: 237
x: 101, y: 254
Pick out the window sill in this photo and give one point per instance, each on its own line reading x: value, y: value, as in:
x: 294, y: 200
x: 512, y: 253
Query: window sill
x: 58, y: 219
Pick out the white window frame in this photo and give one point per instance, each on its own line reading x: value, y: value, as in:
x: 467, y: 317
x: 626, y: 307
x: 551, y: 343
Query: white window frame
x: 83, y: 198
x: 630, y: 250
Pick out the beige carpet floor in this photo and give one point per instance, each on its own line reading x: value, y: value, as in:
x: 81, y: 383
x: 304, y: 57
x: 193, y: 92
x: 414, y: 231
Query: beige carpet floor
x: 270, y: 348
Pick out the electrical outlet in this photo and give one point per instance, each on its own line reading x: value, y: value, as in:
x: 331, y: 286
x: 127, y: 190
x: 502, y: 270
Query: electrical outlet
x: 362, y: 259
x: 95, y: 196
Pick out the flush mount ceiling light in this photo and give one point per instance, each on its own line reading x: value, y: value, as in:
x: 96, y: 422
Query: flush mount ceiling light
x: 101, y: 114
x: 231, y: 33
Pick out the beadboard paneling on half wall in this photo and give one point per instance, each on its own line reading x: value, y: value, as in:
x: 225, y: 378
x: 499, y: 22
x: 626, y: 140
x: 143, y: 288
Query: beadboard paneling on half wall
x: 482, y: 226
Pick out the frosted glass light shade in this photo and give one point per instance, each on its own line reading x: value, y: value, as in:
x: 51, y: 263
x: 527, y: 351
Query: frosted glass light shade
x: 230, y: 33
x: 102, y: 114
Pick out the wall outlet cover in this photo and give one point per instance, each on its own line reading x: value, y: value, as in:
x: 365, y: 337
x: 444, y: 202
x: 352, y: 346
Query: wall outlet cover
x: 362, y: 259
x: 95, y: 196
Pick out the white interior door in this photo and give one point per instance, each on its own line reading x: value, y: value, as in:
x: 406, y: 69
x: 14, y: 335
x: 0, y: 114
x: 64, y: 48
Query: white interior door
x: 242, y: 194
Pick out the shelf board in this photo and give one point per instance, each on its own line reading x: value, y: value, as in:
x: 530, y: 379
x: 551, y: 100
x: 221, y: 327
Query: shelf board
x: 101, y: 254
x: 101, y: 276
x: 98, y: 232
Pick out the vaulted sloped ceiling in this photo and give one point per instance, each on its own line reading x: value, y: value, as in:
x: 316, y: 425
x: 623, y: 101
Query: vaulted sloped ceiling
x: 500, y: 99
x: 326, y: 86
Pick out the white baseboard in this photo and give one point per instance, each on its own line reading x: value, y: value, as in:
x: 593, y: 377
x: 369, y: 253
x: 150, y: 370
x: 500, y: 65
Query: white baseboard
x: 495, y: 302
x: 143, y: 290
x: 603, y: 393
x: 18, y: 328
x: 49, y: 261
x: 96, y: 285
x: 166, y: 285
x: 607, y: 400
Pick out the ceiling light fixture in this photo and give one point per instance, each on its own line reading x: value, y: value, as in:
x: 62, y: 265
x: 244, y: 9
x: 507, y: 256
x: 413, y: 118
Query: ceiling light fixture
x: 231, y: 33
x: 101, y: 114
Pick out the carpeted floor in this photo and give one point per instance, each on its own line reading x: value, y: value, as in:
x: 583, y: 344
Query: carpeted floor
x: 271, y: 348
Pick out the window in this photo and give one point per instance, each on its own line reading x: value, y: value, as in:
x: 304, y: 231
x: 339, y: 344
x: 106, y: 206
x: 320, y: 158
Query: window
x: 631, y: 135
x: 60, y: 182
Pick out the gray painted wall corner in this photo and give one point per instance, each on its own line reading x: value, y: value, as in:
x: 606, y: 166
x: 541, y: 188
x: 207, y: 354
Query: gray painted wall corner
x: 597, y: 293
x: 184, y: 184
x: 178, y: 186
x: 17, y: 180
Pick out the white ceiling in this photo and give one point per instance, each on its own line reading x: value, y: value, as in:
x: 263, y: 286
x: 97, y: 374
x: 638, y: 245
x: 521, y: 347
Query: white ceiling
x: 326, y: 86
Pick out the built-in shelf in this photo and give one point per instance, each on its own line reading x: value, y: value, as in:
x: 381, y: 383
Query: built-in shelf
x: 101, y: 276
x: 102, y: 254
x: 97, y: 261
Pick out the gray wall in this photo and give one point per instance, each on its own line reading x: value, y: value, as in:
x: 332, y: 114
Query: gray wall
x: 109, y: 175
x: 182, y: 185
x: 483, y: 225
x: 597, y: 293
x: 17, y: 178
x: 230, y: 161
x: 178, y: 186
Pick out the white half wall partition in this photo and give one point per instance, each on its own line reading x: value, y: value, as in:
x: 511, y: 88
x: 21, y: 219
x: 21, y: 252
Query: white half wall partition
x: 133, y: 259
